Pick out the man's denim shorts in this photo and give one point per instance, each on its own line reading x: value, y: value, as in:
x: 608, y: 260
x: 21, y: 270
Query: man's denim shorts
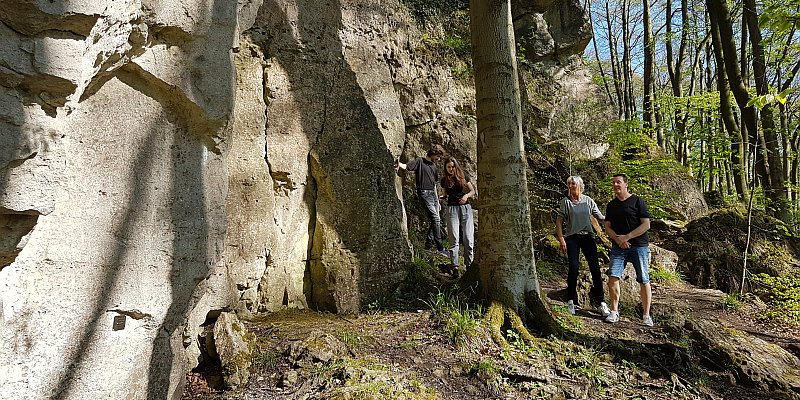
x: 638, y: 256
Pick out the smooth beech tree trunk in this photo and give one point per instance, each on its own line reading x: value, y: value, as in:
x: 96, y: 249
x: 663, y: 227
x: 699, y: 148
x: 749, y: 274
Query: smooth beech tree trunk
x: 504, y: 241
x: 726, y: 114
x: 775, y: 190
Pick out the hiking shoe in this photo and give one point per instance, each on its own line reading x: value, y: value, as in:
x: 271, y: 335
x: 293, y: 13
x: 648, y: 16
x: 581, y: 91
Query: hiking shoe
x: 443, y: 253
x: 604, y: 310
x: 647, y: 321
x: 613, y: 317
x: 571, y: 307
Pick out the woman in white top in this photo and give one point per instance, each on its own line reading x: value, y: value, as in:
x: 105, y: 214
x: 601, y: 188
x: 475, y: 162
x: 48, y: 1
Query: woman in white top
x: 575, y: 213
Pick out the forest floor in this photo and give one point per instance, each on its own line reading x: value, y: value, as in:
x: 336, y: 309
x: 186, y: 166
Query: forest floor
x: 412, y: 347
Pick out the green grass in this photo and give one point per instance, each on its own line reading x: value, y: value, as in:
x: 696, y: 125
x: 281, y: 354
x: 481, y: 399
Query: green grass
x: 567, y: 320
x: 484, y: 368
x: 663, y: 276
x: 349, y: 338
x: 731, y: 302
x: 460, y: 317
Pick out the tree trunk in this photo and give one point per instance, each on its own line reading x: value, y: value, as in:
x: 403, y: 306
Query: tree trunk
x: 675, y: 66
x: 718, y: 11
x: 505, y: 245
x: 648, y: 118
x: 597, y: 53
x: 775, y: 190
x: 627, y: 72
x: 616, y: 71
x: 726, y: 114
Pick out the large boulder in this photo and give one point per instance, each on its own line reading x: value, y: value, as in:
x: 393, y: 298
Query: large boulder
x: 754, y: 362
x: 711, y: 250
x: 232, y: 345
x: 688, y: 202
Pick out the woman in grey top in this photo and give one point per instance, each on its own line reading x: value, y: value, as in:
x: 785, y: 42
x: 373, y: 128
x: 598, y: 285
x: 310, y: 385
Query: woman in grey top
x: 575, y: 213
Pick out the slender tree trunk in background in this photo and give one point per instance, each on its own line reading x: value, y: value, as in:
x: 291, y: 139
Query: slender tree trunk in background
x: 786, y: 157
x: 701, y: 176
x: 627, y: 71
x: 648, y: 118
x: 675, y: 65
x: 597, y: 53
x: 749, y: 135
x: 718, y: 11
x: 726, y: 114
x: 660, y: 129
x: 743, y: 47
x: 795, y: 174
x: 616, y: 70
x: 729, y: 184
x: 773, y: 164
x: 505, y: 260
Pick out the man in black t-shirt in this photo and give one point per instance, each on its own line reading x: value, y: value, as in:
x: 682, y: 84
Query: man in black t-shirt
x: 627, y: 223
x: 426, y: 175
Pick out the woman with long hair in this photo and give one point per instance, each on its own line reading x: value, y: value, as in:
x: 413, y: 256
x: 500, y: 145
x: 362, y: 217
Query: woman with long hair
x: 575, y: 212
x: 456, y: 190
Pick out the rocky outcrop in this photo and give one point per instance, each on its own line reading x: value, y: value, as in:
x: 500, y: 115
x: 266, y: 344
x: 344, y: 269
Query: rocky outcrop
x: 231, y: 343
x: 114, y: 131
x: 687, y: 202
x: 162, y: 163
x: 754, y: 362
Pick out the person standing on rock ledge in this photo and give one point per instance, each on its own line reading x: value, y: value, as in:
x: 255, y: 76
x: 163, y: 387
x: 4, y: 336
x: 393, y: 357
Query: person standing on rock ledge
x: 577, y: 210
x: 426, y: 175
x: 627, y: 223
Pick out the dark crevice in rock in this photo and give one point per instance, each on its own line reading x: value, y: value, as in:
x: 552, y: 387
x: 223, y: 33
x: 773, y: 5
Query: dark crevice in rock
x: 15, y: 229
x: 28, y: 20
x: 171, y: 36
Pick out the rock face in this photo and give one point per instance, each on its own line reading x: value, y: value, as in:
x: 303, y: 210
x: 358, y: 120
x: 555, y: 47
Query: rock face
x: 115, y: 124
x: 231, y: 344
x: 754, y: 362
x: 689, y: 203
x: 161, y: 163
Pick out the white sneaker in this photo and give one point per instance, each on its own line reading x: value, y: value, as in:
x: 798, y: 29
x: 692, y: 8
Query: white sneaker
x: 647, y: 321
x: 604, y: 310
x: 613, y: 317
x: 571, y: 307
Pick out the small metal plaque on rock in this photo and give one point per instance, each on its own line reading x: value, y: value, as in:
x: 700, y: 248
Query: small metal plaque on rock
x: 119, y: 323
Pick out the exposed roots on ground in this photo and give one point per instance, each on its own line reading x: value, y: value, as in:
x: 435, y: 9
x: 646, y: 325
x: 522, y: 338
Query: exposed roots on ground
x: 499, y: 316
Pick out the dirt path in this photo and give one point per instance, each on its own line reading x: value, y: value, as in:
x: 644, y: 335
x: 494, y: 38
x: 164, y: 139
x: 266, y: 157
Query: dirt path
x: 407, y: 354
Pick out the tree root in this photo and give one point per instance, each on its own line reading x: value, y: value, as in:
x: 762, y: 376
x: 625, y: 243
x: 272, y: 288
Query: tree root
x: 499, y: 315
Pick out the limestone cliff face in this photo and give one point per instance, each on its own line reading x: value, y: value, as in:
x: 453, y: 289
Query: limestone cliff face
x: 116, y: 118
x: 163, y: 162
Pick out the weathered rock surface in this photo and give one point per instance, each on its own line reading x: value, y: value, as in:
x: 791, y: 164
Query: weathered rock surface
x: 755, y: 363
x: 231, y: 344
x: 689, y: 203
x: 317, y: 347
x: 113, y: 142
x: 711, y: 249
x: 163, y: 162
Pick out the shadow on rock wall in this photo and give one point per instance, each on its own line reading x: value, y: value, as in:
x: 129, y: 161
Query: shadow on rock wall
x: 327, y: 131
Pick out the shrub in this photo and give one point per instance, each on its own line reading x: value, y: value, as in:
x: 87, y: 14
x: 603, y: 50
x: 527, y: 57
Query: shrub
x: 782, y: 295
